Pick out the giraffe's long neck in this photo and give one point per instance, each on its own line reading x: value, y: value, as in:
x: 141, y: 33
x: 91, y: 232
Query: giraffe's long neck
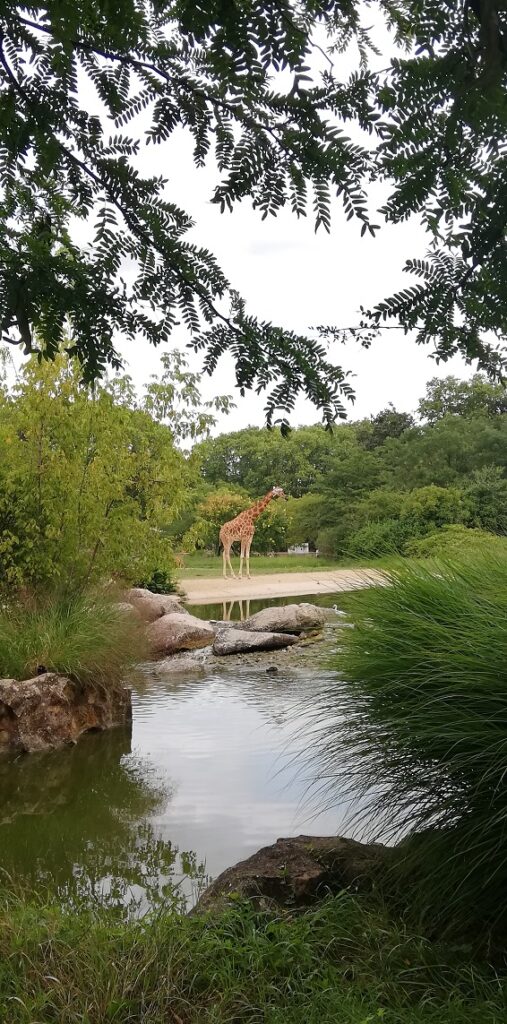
x: 257, y: 509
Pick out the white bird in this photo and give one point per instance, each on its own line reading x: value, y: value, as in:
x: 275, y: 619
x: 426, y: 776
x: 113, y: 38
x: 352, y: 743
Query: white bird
x: 338, y: 611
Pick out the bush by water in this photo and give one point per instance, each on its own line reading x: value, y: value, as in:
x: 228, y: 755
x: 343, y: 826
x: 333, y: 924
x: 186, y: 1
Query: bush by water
x: 418, y: 726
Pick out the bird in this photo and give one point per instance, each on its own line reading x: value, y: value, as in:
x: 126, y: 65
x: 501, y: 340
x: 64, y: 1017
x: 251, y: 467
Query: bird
x: 337, y: 610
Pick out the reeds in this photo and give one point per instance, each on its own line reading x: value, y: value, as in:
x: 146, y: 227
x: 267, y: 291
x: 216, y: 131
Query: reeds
x: 83, y: 635
x: 415, y: 733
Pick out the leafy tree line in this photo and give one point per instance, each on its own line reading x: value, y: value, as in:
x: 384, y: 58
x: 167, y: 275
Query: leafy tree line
x: 374, y: 486
x: 95, y: 483
x: 431, y: 124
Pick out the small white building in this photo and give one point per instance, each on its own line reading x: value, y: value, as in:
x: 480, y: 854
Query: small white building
x: 299, y: 549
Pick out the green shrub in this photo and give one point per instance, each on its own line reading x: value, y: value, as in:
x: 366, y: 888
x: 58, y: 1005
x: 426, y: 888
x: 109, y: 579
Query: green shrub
x: 454, y: 540
x: 486, y: 496
x: 160, y: 581
x: 431, y: 507
x: 417, y: 731
x: 84, y: 635
x: 327, y: 542
x: 386, y: 537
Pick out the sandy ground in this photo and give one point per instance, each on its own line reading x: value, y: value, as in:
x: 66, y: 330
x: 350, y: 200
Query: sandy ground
x: 284, y: 584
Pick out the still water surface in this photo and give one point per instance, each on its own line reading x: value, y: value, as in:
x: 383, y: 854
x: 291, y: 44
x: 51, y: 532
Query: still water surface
x: 213, y: 768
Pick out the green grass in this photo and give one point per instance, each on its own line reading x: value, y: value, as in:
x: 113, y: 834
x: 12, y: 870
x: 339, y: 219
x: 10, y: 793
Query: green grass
x: 205, y: 565
x: 419, y: 720
x: 83, y: 635
x: 344, y: 962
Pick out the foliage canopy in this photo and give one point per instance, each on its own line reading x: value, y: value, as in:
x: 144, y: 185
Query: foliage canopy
x: 377, y: 486
x: 252, y: 84
x: 90, y: 480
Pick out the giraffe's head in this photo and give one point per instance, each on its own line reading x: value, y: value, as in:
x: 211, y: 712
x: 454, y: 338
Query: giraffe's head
x: 278, y: 492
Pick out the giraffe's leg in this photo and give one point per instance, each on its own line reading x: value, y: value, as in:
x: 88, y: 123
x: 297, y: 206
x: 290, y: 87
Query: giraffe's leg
x: 224, y: 559
x: 241, y: 557
x: 229, y: 560
x: 248, y: 546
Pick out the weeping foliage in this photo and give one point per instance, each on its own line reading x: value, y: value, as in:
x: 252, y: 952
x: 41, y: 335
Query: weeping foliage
x: 416, y: 733
x: 253, y: 88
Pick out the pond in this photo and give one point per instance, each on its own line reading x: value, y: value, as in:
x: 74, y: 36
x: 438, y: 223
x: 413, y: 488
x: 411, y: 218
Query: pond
x: 213, y: 768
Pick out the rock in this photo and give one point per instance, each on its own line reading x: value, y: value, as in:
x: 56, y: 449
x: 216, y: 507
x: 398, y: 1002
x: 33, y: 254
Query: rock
x: 240, y: 641
x: 272, y: 670
x: 179, y: 631
x: 52, y: 711
x: 297, y: 871
x: 128, y: 609
x: 174, y: 665
x: 289, y: 618
x: 153, y: 606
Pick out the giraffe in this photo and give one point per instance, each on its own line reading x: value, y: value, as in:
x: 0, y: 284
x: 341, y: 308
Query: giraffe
x: 242, y: 528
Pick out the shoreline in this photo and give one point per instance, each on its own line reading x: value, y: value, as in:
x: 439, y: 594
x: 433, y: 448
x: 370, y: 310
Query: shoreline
x: 203, y: 590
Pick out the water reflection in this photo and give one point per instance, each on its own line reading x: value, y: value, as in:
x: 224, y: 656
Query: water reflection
x: 243, y: 610
x: 237, y: 745
x: 239, y: 610
x: 77, y: 822
x: 219, y: 765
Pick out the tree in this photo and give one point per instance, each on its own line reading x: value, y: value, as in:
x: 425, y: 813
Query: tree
x: 429, y: 508
x: 258, y: 459
x: 223, y: 504
x: 387, y: 423
x: 173, y: 397
x: 87, y: 484
x: 435, y: 115
x: 462, y: 398
x: 209, y: 70
x: 309, y: 514
x: 211, y: 513
x: 446, y: 453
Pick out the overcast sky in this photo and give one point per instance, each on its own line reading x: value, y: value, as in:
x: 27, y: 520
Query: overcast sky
x: 297, y: 279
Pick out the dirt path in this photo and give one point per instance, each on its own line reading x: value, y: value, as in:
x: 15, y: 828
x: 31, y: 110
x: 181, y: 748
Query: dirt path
x: 284, y: 584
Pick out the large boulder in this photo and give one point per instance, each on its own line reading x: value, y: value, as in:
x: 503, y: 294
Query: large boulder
x: 179, y: 631
x: 241, y: 641
x: 128, y: 609
x: 289, y: 618
x: 152, y: 606
x: 297, y: 871
x: 52, y: 711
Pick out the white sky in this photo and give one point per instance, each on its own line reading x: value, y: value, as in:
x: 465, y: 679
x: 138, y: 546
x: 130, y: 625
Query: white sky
x: 297, y: 279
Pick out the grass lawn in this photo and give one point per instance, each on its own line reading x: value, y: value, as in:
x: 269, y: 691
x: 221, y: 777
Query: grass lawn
x: 347, y: 961
x: 202, y: 564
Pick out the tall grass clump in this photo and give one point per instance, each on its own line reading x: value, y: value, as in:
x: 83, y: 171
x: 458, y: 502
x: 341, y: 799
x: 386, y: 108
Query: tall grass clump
x: 83, y: 635
x: 415, y: 733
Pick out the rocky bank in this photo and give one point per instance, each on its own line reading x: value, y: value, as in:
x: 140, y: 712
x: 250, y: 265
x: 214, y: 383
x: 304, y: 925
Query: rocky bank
x: 295, y: 872
x: 52, y: 710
